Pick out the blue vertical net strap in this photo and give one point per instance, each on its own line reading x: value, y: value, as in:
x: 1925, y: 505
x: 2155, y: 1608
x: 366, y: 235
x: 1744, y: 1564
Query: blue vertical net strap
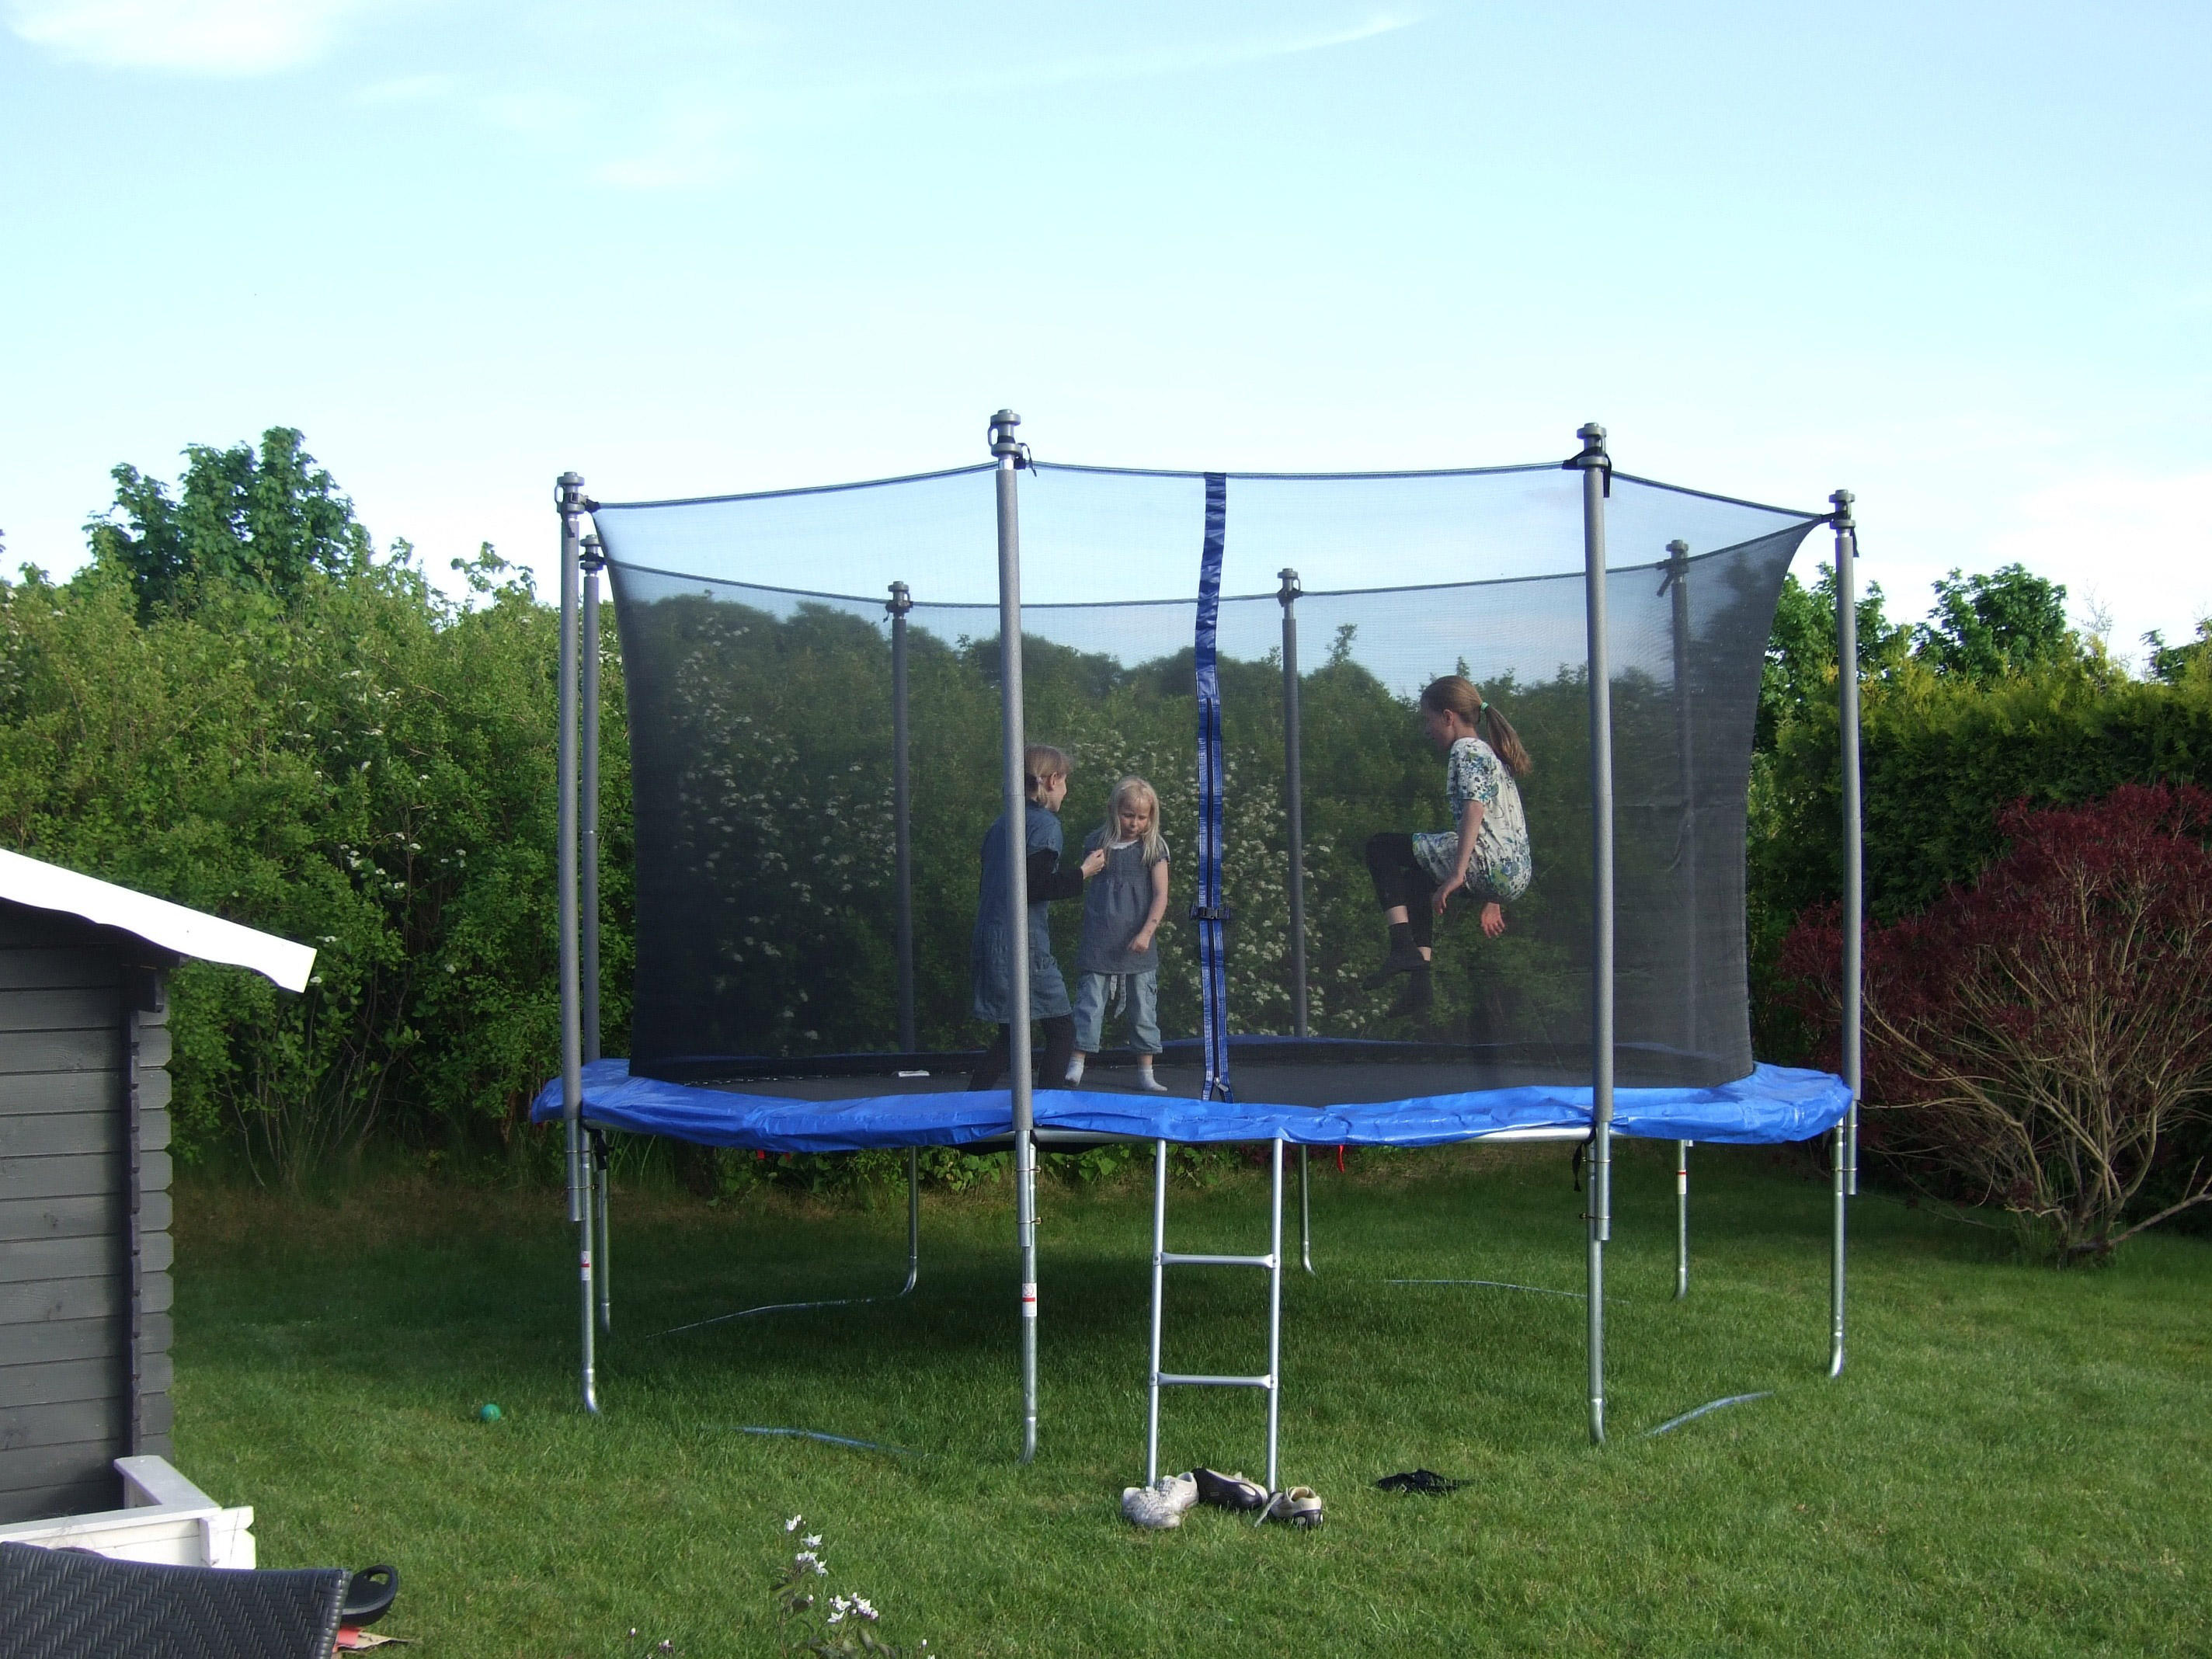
x: 1209, y: 913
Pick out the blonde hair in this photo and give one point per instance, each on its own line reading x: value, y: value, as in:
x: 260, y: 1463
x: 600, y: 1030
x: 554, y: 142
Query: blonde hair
x: 1456, y: 694
x: 1156, y: 847
x: 1041, y: 764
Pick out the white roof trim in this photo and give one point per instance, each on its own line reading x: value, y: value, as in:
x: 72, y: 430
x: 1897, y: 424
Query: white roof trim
x: 189, y: 933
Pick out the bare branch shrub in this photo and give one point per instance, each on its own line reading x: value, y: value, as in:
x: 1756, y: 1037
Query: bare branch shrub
x: 2034, y: 1039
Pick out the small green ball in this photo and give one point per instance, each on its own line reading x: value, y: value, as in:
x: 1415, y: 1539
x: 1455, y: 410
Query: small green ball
x: 487, y: 1413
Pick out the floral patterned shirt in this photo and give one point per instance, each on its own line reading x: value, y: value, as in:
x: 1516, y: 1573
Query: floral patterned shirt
x: 1500, y: 868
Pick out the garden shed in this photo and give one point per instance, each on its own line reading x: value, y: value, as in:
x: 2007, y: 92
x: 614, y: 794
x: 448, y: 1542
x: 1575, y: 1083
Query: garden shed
x: 84, y: 1173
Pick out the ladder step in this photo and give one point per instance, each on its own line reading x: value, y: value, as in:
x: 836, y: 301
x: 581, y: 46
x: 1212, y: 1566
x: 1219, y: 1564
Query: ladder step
x: 1171, y: 1259
x: 1177, y: 1379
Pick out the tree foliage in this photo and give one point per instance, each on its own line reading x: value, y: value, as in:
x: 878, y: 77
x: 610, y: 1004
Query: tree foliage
x: 356, y: 762
x: 1985, y: 626
x: 264, y: 522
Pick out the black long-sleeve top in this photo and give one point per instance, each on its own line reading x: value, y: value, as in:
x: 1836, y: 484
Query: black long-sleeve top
x: 1047, y: 881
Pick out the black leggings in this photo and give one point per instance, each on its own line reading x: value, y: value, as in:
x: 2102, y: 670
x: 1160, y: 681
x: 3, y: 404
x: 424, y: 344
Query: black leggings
x: 1400, y: 878
x: 1059, y: 1051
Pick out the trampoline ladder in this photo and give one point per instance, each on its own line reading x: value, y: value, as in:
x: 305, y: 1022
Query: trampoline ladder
x: 1272, y: 1382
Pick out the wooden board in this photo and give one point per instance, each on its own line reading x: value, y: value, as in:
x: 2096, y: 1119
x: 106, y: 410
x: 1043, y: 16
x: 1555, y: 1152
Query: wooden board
x: 90, y: 1496
x: 81, y: 1177
x: 78, y: 1379
x: 24, y: 968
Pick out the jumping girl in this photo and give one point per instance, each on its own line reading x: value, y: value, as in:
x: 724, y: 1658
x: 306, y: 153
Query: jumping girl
x: 991, y: 953
x: 1415, y: 876
x: 1121, y: 912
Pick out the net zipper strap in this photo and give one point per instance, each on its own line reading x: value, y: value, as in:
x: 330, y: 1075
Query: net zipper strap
x: 1209, y: 913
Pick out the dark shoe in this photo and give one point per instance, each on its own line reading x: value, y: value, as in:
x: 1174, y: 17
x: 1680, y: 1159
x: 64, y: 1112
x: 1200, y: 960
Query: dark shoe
x: 1405, y: 958
x: 1419, y: 994
x: 1426, y: 1481
x: 1229, y: 1491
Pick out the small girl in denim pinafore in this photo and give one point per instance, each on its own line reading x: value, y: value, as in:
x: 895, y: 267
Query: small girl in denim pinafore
x: 1122, y: 911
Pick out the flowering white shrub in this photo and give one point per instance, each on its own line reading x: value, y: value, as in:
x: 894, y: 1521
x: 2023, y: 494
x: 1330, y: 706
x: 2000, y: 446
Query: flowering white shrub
x: 812, y: 1621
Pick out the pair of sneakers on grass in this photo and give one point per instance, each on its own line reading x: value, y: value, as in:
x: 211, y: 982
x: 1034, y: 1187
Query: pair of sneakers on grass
x: 1163, y: 1503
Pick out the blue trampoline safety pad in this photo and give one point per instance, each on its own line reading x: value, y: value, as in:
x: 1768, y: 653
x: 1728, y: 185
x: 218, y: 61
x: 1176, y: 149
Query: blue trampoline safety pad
x: 1774, y: 1103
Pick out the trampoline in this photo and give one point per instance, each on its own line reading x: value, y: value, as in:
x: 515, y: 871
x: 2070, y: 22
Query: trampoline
x: 816, y: 772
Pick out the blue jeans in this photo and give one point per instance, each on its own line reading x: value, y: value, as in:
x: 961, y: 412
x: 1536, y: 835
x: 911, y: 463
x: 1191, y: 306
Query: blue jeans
x: 1144, y: 1011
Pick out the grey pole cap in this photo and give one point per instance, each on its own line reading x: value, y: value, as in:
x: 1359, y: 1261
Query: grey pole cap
x: 1003, y: 441
x: 1593, y: 437
x: 900, y: 601
x: 1290, y: 589
x: 569, y: 493
x: 591, y: 554
x: 1841, y: 500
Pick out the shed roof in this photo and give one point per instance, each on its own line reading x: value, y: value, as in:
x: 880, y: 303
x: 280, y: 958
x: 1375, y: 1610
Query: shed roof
x: 175, y: 927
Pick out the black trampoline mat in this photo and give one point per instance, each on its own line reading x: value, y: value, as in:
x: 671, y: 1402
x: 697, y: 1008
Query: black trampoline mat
x: 1365, y: 1083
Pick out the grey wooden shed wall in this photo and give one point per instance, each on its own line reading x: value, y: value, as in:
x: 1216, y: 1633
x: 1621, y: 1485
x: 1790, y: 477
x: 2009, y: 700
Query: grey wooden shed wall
x: 84, y: 1318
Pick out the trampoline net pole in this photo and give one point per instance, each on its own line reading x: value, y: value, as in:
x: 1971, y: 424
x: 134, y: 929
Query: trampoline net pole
x: 1596, y: 471
x: 1845, y: 1174
x: 1294, y: 796
x: 1294, y: 800
x: 901, y: 601
x: 592, y: 561
x: 1008, y: 452
x: 1677, y: 585
x: 572, y: 506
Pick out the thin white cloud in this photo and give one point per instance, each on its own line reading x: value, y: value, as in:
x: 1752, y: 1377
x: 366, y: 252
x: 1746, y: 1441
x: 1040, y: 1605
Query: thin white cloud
x: 409, y: 90
x: 689, y: 148
x: 201, y: 36
x: 1185, y: 57
x: 689, y: 143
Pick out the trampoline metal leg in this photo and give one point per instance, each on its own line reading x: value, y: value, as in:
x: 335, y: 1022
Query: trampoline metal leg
x: 913, y: 1220
x: 1275, y: 1313
x: 1681, y: 1220
x: 1025, y: 1174
x: 1305, y: 1213
x: 1601, y: 1195
x: 1160, y: 1271
x: 601, y: 1271
x: 584, y: 1229
x: 1841, y: 1181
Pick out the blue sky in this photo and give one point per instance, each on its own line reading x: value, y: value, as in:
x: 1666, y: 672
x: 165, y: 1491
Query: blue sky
x: 1953, y: 257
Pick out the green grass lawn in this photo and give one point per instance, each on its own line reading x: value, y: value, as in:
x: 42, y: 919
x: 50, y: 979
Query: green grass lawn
x: 2015, y: 1462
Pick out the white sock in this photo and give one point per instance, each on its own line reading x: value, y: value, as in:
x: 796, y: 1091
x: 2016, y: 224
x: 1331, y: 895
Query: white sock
x: 1075, y: 1069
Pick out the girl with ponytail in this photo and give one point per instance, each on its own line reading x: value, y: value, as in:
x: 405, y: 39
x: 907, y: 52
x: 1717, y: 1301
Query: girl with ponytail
x: 1488, y: 855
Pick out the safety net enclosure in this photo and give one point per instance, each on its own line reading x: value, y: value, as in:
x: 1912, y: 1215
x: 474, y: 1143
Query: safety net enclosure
x: 826, y: 724
x: 757, y: 641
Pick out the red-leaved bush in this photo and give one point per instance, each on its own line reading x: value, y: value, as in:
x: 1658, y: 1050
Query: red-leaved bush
x: 2033, y: 1040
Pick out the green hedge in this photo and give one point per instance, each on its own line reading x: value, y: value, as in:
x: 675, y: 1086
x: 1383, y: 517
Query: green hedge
x: 361, y: 765
x: 1941, y: 757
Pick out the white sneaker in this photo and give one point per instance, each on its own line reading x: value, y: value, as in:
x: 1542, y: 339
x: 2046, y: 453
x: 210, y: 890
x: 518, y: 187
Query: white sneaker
x: 1163, y: 1503
x: 1075, y: 1072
